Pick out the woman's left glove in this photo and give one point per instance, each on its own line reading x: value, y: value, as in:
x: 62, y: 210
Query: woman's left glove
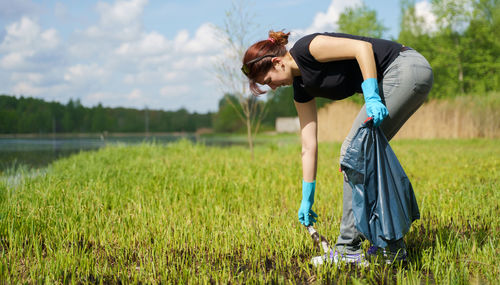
x: 306, y: 215
x: 374, y: 106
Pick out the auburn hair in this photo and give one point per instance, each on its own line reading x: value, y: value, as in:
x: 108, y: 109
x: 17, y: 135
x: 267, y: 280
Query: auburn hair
x: 274, y: 45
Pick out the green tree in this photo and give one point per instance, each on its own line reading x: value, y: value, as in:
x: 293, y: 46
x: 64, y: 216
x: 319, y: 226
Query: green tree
x: 453, y: 19
x: 8, y: 114
x: 482, y: 48
x: 180, y: 120
x: 462, y: 49
x: 98, y: 119
x: 280, y: 105
x: 227, y: 118
x: 362, y: 21
x: 79, y: 117
x: 68, y: 123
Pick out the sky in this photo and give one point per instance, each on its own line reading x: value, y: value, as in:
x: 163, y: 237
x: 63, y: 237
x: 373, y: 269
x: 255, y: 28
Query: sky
x: 144, y: 53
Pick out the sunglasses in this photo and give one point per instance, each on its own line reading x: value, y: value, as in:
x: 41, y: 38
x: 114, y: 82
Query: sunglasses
x: 245, y: 67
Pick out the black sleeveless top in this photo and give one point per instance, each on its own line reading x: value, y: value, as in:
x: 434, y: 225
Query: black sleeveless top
x: 336, y: 79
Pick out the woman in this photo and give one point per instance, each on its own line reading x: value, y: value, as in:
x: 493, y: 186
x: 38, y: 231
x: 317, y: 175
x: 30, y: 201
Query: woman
x: 394, y: 80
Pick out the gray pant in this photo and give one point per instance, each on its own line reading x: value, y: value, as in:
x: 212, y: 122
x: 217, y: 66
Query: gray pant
x: 404, y: 88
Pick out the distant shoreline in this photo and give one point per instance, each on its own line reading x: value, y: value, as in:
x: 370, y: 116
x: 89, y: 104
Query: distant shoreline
x: 97, y: 135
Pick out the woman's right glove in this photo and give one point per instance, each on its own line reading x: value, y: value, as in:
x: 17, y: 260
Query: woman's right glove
x: 374, y: 106
x: 306, y: 216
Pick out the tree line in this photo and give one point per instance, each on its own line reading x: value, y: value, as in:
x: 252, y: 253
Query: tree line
x: 464, y: 47
x: 32, y: 115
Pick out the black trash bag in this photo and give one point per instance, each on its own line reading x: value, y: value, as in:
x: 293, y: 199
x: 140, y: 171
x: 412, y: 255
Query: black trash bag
x: 383, y: 201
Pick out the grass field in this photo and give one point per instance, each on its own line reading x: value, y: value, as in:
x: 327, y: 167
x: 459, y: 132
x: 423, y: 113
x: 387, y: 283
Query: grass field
x: 194, y: 214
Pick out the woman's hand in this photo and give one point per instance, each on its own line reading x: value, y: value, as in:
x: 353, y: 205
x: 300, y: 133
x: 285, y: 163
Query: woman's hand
x: 306, y: 216
x: 374, y: 106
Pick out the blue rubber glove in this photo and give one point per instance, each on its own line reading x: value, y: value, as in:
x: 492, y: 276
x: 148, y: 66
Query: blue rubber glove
x: 306, y: 215
x: 374, y: 106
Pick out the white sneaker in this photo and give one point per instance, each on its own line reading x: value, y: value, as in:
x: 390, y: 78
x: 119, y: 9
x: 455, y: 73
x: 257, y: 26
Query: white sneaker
x: 338, y: 258
x: 385, y: 255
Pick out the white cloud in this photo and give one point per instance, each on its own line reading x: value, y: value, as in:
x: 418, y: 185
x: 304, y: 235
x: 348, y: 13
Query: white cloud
x: 326, y: 22
x: 26, y: 45
x: 423, y: 10
x: 121, y: 12
x: 33, y: 77
x: 169, y: 76
x: 14, y: 60
x: 20, y: 35
x: 137, y: 78
x: 184, y: 63
x: 27, y: 88
x: 50, y: 39
x: 149, y: 44
x: 85, y: 73
x: 120, y: 21
x: 135, y: 95
x: 181, y: 39
x: 171, y: 91
x: 26, y: 35
x: 204, y: 41
x: 45, y: 84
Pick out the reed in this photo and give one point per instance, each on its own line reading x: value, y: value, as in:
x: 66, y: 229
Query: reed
x: 472, y: 116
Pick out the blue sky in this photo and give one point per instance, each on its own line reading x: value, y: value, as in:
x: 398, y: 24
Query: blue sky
x: 137, y: 53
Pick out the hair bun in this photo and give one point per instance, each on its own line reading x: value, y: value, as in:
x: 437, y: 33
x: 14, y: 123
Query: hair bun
x: 280, y: 37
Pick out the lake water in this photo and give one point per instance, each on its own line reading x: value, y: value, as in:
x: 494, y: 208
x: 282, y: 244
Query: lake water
x: 39, y: 152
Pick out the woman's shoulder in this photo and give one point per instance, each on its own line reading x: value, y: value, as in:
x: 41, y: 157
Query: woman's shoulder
x: 302, y: 45
x: 303, y: 42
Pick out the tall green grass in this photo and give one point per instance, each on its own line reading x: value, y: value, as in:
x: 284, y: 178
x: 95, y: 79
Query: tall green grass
x: 190, y: 213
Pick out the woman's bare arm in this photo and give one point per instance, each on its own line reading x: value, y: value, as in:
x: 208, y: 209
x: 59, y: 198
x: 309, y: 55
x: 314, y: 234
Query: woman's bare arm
x: 308, y: 133
x: 326, y: 48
